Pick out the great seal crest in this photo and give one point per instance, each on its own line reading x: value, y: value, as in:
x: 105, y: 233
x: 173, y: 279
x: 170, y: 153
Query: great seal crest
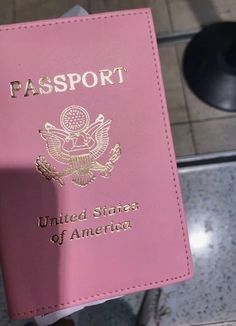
x: 78, y: 144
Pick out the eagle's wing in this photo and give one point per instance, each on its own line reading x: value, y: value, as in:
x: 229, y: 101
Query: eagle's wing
x: 101, y: 140
x: 54, y: 146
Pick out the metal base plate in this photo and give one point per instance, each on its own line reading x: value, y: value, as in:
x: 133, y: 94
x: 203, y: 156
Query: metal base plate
x: 208, y: 72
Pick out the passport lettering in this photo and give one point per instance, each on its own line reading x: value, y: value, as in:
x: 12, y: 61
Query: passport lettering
x: 67, y: 82
x: 98, y: 212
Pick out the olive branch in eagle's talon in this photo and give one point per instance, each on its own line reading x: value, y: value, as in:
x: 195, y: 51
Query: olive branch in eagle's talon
x: 47, y: 170
x: 115, y: 154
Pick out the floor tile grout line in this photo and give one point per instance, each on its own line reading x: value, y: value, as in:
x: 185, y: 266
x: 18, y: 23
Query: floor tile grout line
x: 14, y: 11
x: 223, y: 323
x: 89, y: 4
x: 170, y: 16
x: 205, y: 120
x: 179, y: 123
x: 185, y: 100
x: 166, y: 39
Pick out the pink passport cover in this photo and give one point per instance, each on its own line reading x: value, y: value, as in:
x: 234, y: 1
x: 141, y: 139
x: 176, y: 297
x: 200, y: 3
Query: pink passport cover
x: 103, y: 142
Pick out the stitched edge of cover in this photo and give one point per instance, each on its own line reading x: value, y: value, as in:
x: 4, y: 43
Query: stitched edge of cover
x: 173, y: 170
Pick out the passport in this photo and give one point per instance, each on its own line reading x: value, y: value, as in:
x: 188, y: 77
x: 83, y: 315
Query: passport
x: 90, y: 201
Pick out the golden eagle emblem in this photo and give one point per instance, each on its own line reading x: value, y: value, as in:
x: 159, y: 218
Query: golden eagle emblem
x: 78, y: 145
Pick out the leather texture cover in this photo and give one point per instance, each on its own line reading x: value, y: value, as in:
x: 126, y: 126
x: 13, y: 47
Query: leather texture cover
x: 90, y: 202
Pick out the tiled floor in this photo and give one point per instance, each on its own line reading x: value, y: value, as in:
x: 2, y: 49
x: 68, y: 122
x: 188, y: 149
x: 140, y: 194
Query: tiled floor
x: 197, y: 128
x: 170, y: 15
x: 189, y: 15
